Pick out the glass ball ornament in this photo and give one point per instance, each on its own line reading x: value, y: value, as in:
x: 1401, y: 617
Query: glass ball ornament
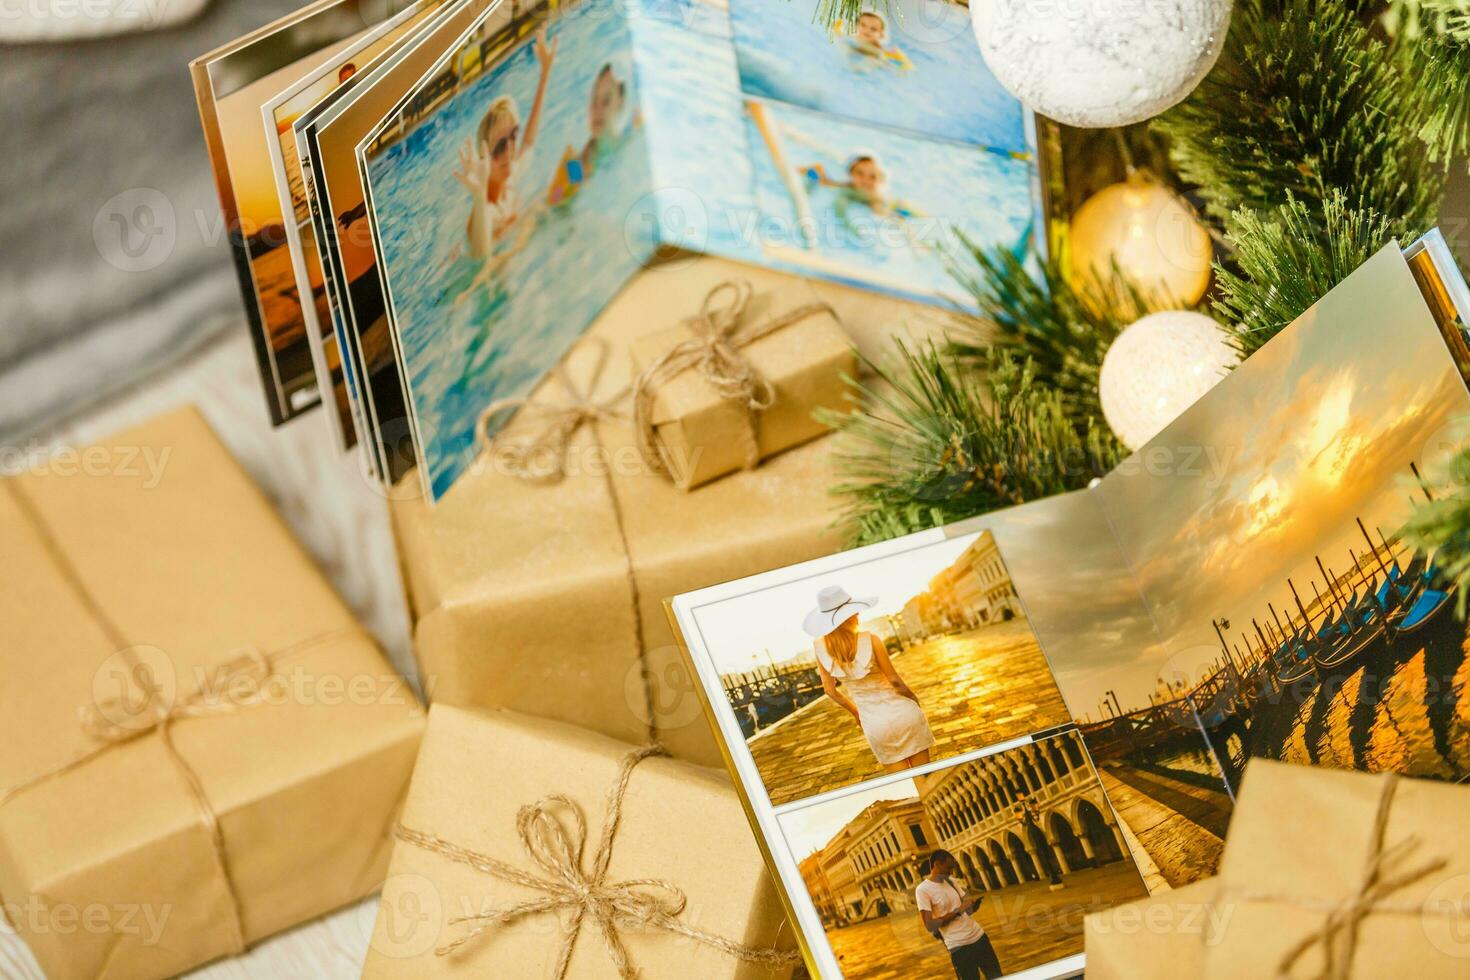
x: 1151, y: 235
x: 1157, y: 368
x: 1103, y: 62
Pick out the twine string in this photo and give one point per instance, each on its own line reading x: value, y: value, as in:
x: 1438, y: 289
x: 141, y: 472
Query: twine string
x: 1382, y: 877
x: 553, y: 833
x: 240, y: 683
x: 717, y: 333
x: 542, y: 456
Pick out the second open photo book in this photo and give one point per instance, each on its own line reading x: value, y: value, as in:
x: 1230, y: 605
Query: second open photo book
x: 1050, y: 707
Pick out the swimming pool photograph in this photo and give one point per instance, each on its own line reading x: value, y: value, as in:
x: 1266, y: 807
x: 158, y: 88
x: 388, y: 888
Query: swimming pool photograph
x: 507, y: 219
x: 873, y: 205
x: 910, y: 64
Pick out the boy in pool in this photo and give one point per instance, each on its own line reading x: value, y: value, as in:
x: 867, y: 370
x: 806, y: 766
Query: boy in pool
x: 487, y: 169
x: 870, y: 38
x: 866, y: 185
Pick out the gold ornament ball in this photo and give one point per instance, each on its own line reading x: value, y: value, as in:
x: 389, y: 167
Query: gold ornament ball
x: 1154, y: 237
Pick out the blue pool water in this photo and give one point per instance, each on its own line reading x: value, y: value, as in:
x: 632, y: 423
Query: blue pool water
x: 502, y: 340
x: 947, y: 187
x: 695, y: 173
x: 720, y: 191
x: 696, y: 130
x: 948, y: 93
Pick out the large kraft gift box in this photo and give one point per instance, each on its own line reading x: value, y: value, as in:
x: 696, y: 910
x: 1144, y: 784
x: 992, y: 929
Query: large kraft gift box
x: 1162, y: 937
x: 518, y: 854
x: 201, y: 746
x: 1328, y: 873
x: 547, y: 597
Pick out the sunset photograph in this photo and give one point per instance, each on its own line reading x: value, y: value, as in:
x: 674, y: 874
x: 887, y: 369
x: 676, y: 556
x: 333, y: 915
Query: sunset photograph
x: 1291, y: 621
x: 1025, y: 836
x: 884, y: 666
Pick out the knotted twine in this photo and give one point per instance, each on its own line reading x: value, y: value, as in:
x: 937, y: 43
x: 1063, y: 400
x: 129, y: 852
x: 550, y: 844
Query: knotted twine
x: 217, y: 695
x: 566, y: 886
x: 541, y: 458
x: 1381, y: 878
x: 719, y: 330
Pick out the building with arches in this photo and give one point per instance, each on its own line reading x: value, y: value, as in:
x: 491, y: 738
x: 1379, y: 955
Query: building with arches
x: 1020, y: 815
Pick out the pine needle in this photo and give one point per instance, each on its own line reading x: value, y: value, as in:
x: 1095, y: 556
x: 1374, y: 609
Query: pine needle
x: 1064, y: 334
x: 1305, y: 102
x: 1288, y: 258
x: 940, y: 440
x: 1432, y: 42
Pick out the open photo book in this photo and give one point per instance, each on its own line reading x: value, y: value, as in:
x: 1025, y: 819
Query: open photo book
x: 430, y: 201
x: 957, y: 743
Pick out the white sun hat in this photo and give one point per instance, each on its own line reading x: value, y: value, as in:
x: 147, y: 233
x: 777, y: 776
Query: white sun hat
x: 834, y: 607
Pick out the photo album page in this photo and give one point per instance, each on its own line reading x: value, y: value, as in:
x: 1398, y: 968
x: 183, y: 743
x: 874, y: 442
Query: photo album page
x: 431, y: 201
x: 1053, y: 704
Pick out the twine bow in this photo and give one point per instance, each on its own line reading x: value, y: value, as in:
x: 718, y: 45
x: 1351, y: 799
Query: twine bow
x: 1381, y: 878
x: 557, y: 850
x: 542, y: 457
x: 112, y: 722
x: 719, y: 330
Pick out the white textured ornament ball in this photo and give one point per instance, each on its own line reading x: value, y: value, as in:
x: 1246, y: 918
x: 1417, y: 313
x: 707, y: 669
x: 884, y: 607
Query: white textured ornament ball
x: 1153, y: 237
x: 1157, y: 368
x: 1099, y: 63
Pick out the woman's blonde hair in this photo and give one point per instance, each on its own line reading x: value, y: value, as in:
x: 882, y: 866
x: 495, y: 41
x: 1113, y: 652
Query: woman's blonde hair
x: 842, y: 642
x: 503, y: 107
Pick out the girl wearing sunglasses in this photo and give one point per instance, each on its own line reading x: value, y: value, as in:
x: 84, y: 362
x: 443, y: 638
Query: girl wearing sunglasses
x: 487, y: 165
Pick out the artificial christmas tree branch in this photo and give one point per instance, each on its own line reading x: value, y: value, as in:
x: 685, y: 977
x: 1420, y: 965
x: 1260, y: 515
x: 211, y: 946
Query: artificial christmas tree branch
x: 1306, y: 101
x: 1432, y: 41
x: 1286, y: 259
x: 1063, y: 333
x: 943, y: 441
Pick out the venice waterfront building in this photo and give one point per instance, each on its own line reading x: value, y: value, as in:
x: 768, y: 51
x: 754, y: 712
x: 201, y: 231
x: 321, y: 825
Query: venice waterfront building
x: 1033, y: 814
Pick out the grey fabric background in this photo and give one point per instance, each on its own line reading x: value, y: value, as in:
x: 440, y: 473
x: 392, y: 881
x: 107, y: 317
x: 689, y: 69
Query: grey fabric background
x: 113, y: 259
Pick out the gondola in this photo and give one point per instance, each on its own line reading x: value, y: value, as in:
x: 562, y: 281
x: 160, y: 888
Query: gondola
x: 1294, y: 660
x: 1423, y: 602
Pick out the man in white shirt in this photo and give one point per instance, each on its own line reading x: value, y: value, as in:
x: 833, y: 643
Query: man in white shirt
x: 948, y: 912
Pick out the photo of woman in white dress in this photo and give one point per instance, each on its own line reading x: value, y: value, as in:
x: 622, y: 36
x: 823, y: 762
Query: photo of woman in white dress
x: 871, y: 690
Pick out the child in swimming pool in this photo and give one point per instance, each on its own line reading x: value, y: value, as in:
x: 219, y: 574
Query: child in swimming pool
x: 870, y: 39
x: 866, y: 185
x: 487, y: 169
x: 488, y: 163
x: 605, y: 128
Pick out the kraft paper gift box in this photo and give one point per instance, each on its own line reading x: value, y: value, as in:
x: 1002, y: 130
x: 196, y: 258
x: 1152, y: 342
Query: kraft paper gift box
x: 546, y: 597
x: 492, y: 823
x: 1162, y: 937
x: 1344, y: 875
x: 201, y: 746
x: 791, y: 353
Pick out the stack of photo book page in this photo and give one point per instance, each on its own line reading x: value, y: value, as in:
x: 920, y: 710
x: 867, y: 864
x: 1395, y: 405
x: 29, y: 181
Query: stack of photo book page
x: 431, y: 201
x: 1004, y: 723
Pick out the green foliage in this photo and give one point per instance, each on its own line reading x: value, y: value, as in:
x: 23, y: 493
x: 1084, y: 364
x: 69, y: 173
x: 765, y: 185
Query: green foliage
x: 1062, y: 333
x: 1288, y: 258
x: 938, y: 440
x: 830, y: 12
x: 1443, y: 526
x: 1432, y: 41
x: 1306, y: 102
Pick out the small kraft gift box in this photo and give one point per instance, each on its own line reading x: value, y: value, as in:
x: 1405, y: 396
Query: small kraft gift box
x: 536, y: 583
x: 202, y: 746
x: 536, y: 849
